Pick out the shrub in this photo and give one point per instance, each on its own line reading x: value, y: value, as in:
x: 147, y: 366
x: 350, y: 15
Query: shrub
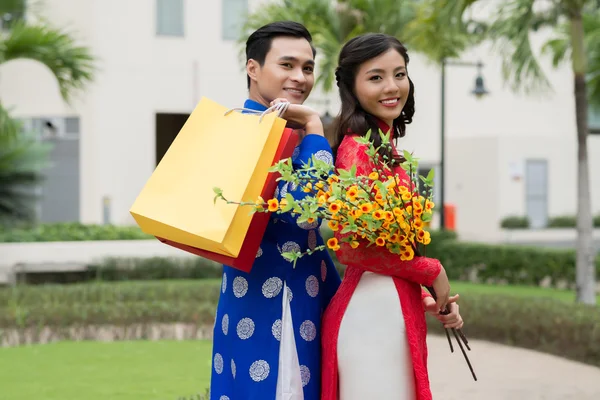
x: 515, y: 222
x: 506, y: 263
x: 564, y: 221
x: 597, y: 221
x: 64, y: 232
x: 155, y: 268
x: 564, y: 329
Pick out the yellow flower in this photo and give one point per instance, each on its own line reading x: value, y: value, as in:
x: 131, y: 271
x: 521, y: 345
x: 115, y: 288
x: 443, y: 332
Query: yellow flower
x: 420, y: 235
x: 260, y: 200
x: 417, y: 224
x: 429, y: 205
x: 398, y: 212
x: 308, y: 187
x: 332, y: 179
x: 322, y: 200
x: 283, y: 203
x: 378, y: 214
x: 366, y: 208
x: 406, y: 196
x: 333, y: 225
x: 403, y: 189
x: 352, y: 193
x: 379, y: 198
x: 354, y: 244
x: 333, y: 244
x: 310, y: 220
x: 394, y: 238
x: 389, y: 216
x: 356, y: 213
x: 320, y: 185
x: 380, y: 241
x: 273, y: 205
x: 334, y: 208
x: 374, y: 176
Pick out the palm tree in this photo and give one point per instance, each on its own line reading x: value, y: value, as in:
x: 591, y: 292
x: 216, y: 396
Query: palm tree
x: 333, y: 23
x: 21, y: 156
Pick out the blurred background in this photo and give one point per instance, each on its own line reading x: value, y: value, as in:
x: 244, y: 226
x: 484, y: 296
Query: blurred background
x: 92, y: 93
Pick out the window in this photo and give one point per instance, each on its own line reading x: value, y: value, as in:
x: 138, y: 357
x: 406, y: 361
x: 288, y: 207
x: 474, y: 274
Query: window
x: 169, y: 18
x: 233, y: 14
x: 594, y: 120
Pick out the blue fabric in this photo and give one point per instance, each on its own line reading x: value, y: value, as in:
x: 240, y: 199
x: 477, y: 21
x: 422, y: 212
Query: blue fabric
x: 247, y: 329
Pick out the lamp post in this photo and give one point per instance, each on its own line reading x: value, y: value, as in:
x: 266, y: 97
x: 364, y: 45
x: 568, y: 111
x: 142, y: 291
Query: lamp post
x: 479, y: 91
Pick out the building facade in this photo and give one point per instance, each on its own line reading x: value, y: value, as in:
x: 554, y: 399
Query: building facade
x: 507, y: 153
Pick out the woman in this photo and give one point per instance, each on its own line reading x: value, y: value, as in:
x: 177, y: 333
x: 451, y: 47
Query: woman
x: 374, y: 330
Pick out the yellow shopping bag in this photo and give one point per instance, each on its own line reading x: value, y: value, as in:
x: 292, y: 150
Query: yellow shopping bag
x: 215, y: 148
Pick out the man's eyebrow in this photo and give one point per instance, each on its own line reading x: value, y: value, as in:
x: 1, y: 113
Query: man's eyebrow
x: 291, y: 58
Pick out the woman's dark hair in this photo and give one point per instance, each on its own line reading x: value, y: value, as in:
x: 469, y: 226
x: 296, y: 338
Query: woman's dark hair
x: 353, y: 119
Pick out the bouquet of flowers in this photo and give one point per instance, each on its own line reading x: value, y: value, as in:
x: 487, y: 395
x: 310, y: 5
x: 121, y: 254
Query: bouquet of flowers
x: 380, y: 209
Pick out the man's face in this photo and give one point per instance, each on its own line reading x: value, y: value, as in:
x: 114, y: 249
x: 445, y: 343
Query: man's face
x: 288, y: 71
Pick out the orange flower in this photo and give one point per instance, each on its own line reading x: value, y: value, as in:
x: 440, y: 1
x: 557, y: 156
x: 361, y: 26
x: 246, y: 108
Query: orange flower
x: 273, y: 205
x: 389, y: 216
x: 394, y: 238
x: 374, y: 175
x: 310, y: 220
x: 354, y: 244
x: 333, y: 244
x: 420, y: 235
x: 380, y: 241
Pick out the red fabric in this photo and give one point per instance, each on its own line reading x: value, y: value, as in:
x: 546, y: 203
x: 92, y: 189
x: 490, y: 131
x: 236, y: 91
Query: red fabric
x: 408, y: 278
x: 258, y: 225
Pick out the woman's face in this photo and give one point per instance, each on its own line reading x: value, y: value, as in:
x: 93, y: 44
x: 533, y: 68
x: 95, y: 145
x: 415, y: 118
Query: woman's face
x: 381, y: 86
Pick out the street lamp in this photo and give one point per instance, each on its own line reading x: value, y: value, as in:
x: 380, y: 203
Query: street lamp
x: 479, y: 91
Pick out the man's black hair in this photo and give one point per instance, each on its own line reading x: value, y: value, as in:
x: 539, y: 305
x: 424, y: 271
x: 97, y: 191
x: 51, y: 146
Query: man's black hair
x: 259, y: 42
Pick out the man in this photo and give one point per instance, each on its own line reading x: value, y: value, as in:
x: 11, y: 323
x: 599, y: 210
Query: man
x: 268, y: 321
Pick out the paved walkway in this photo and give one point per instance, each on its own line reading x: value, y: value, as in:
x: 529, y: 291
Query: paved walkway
x: 507, y: 373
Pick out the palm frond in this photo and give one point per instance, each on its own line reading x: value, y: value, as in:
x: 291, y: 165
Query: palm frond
x: 591, y: 26
x: 510, y: 32
x: 71, y: 64
x: 22, y: 161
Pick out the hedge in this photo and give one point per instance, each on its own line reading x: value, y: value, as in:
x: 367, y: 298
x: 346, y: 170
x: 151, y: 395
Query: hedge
x: 64, y: 232
x: 507, y: 263
x: 560, y: 328
x: 515, y: 222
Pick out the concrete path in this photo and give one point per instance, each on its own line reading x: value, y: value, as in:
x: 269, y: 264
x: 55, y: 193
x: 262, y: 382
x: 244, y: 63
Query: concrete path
x: 507, y: 373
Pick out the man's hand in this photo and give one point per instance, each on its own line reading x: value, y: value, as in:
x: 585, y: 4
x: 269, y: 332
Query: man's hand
x: 302, y: 117
x: 452, y: 320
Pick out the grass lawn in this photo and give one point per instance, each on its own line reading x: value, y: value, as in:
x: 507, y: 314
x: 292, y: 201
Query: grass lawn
x: 163, y: 370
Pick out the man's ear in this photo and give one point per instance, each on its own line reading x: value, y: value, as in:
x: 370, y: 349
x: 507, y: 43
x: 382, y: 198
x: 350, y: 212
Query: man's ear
x: 252, y: 69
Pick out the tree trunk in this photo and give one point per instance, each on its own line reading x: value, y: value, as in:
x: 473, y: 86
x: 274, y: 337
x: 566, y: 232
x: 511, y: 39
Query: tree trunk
x: 586, y: 271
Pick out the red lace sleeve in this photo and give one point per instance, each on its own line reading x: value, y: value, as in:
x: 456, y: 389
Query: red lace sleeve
x: 422, y: 270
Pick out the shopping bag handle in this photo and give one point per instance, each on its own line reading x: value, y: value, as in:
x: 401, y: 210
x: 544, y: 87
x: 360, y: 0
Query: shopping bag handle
x: 280, y: 108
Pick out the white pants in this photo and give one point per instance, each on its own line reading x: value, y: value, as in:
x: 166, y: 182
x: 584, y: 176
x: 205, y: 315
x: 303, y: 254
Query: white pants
x: 373, y: 355
x: 289, y: 379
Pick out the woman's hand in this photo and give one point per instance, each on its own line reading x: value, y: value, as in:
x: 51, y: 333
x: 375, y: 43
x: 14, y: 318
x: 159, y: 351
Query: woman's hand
x: 302, y: 117
x: 451, y: 320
